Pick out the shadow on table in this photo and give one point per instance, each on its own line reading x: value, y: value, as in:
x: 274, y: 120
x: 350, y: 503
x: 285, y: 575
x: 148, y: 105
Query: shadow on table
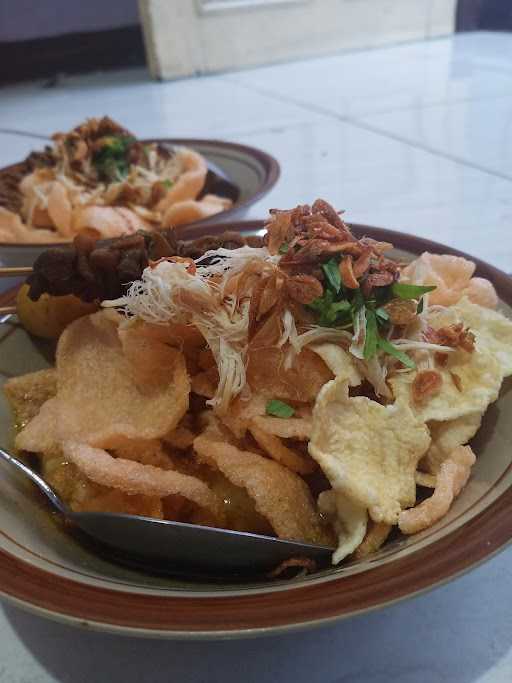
x: 457, y: 633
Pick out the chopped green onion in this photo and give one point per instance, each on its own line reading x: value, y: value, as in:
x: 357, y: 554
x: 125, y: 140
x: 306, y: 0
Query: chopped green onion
x: 419, y: 308
x: 388, y: 347
x: 372, y: 335
x: 167, y: 183
x: 340, y: 306
x: 279, y: 409
x: 330, y: 312
x: 358, y: 301
x: 111, y: 160
x: 284, y: 248
x: 332, y: 274
x: 382, y: 314
x: 403, y: 291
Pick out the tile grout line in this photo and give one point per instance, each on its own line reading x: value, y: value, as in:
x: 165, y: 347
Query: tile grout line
x: 430, y: 105
x: 23, y: 134
x: 355, y: 122
x: 358, y: 123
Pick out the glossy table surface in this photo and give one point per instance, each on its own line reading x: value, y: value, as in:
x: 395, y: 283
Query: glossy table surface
x: 415, y: 137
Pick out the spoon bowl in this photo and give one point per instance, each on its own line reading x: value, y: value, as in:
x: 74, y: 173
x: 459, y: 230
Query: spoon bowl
x: 168, y: 545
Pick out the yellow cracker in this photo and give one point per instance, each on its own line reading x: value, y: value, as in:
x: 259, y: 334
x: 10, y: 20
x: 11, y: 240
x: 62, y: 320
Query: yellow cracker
x: 338, y: 361
x: 446, y: 436
x: 493, y: 331
x: 368, y: 451
x: 480, y: 379
x: 348, y: 519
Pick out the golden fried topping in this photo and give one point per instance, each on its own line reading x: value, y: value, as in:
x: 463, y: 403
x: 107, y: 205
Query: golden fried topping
x: 454, y: 336
x: 427, y: 383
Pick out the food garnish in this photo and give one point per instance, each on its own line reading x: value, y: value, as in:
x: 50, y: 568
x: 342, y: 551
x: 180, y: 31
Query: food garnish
x: 99, y: 178
x: 279, y: 409
x: 303, y: 385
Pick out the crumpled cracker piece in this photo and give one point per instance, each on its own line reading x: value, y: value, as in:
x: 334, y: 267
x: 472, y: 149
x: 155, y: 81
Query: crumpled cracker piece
x: 287, y: 428
x: 368, y: 451
x: 348, y: 519
x: 280, y: 495
x: 446, y: 436
x: 479, y: 377
x: 338, y: 361
x: 134, y: 478
x: 453, y: 476
x: 426, y: 480
x: 280, y: 452
x: 376, y: 536
x: 40, y: 434
x: 145, y: 451
x: 27, y: 393
x: 268, y: 374
x: 102, y: 395
x: 242, y: 411
x: 449, y: 274
x: 181, y: 438
x: 493, y: 331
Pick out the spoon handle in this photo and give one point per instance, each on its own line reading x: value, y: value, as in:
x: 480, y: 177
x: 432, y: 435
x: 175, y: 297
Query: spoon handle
x: 39, y: 481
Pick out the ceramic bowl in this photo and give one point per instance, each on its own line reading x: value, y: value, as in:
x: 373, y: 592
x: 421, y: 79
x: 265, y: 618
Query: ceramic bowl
x: 49, y: 571
x: 251, y: 170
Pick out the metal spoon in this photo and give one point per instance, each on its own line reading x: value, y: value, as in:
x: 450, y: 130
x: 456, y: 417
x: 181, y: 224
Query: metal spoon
x: 176, y: 544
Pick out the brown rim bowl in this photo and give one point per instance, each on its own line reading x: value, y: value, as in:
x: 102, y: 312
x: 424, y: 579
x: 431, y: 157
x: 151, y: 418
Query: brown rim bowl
x: 46, y: 571
x: 253, y: 171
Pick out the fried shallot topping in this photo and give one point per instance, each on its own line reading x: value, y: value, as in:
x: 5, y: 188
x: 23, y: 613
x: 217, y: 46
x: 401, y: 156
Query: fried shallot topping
x: 426, y: 384
x: 303, y: 288
x: 401, y: 311
x: 455, y: 336
x: 309, y: 236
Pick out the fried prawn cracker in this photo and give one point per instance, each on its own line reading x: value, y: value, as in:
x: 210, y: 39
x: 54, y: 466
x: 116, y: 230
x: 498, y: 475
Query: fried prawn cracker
x: 278, y: 451
x: 26, y: 394
x: 102, y: 394
x: 453, y: 476
x: 368, y: 451
x: 40, y: 434
x: 450, y: 275
x: 374, y: 539
x: 190, y: 210
x: 269, y: 375
x: 181, y: 438
x: 241, y: 413
x: 280, y: 495
x: 189, y: 183
x: 202, y: 385
x: 287, y: 428
x: 136, y: 478
x: 114, y: 500
x: 144, y: 451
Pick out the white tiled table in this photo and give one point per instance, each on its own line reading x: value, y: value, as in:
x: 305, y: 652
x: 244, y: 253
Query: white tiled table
x: 415, y: 137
